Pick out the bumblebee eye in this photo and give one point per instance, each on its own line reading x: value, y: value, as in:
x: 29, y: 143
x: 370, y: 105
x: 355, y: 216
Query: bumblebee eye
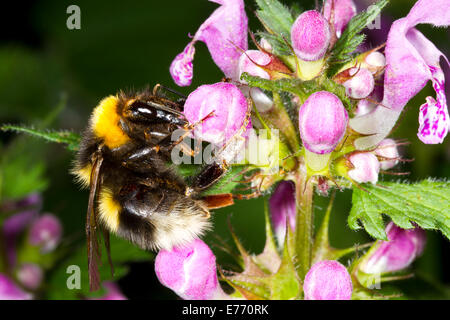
x: 140, y: 111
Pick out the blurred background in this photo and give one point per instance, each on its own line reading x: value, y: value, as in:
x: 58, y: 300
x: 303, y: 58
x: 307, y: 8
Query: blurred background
x: 52, y: 77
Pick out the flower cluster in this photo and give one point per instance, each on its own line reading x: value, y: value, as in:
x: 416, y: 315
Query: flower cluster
x: 344, y: 117
x: 30, y: 246
x: 27, y: 235
x: 345, y: 111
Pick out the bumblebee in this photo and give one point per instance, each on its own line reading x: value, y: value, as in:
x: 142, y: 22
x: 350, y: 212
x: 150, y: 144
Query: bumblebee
x: 123, y: 160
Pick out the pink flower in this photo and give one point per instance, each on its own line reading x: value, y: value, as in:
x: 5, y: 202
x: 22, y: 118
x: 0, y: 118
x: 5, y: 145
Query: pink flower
x: 46, y: 232
x: 225, y: 35
x: 190, y: 271
x: 283, y: 209
x: 361, y: 83
x: 412, y: 60
x: 403, y: 247
x: 12, y: 227
x: 433, y: 120
x: 328, y: 280
x: 182, y: 67
x: 310, y: 36
x: 250, y: 62
x: 229, y: 107
x: 366, y: 167
x: 112, y: 292
x: 322, y: 122
x: 387, y: 148
x: 344, y: 11
x: 375, y: 59
x: 10, y: 291
x: 30, y: 275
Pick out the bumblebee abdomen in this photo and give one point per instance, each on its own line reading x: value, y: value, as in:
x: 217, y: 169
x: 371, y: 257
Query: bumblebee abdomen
x: 151, y: 216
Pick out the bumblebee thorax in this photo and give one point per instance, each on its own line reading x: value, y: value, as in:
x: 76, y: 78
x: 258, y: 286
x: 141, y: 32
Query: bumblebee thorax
x: 105, y: 123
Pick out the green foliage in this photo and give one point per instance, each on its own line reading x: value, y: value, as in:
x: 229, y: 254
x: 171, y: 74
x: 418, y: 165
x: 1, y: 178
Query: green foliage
x: 303, y: 89
x: 21, y: 170
x: 72, y: 140
x: 121, y: 253
x: 277, y: 20
x: 275, y: 17
x: 351, y: 37
x: 426, y: 203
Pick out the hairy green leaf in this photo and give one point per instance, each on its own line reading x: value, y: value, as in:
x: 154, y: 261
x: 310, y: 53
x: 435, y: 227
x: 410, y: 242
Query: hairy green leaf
x: 277, y: 20
x: 303, y: 89
x: 426, y: 203
x: 275, y: 17
x: 351, y: 37
x: 71, y: 139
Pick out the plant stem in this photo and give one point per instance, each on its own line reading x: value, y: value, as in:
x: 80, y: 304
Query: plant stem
x: 304, y: 192
x: 279, y: 119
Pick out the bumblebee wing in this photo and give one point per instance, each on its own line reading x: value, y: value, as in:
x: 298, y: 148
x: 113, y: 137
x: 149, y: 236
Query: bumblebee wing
x: 108, y: 249
x: 93, y: 250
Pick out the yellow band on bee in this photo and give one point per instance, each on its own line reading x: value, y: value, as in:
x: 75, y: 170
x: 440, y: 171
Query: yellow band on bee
x: 109, y: 209
x: 105, y: 123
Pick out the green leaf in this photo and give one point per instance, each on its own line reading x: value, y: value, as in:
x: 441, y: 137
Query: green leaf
x: 277, y: 20
x: 121, y: 253
x: 72, y: 140
x: 275, y: 17
x: 351, y: 37
x: 22, y: 170
x: 426, y: 203
x: 302, y: 89
x: 295, y: 86
x: 279, y: 45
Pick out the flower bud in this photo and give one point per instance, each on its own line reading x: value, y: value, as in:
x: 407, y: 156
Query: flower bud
x: 30, y: 275
x: 361, y: 83
x: 262, y: 102
x: 344, y: 11
x: 283, y: 209
x: 229, y: 107
x: 10, y: 291
x: 310, y: 36
x: 328, y: 280
x: 375, y: 59
x: 322, y: 122
x: 366, y: 167
x: 387, y: 148
x: 250, y: 62
x: 364, y: 107
x: 403, y: 247
x: 46, y: 232
x: 112, y: 292
x: 190, y: 271
x: 265, y: 45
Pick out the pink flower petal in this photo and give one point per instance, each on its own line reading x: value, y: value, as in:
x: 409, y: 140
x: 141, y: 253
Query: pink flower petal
x: 225, y: 35
x: 412, y: 60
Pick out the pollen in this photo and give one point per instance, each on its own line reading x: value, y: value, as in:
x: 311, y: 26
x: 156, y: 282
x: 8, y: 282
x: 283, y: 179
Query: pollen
x: 109, y: 209
x: 105, y: 123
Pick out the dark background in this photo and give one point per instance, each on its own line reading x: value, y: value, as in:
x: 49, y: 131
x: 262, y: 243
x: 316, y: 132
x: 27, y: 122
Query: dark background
x: 130, y: 44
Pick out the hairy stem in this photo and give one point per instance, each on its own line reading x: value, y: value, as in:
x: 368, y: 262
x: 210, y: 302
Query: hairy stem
x: 279, y: 118
x: 304, y: 192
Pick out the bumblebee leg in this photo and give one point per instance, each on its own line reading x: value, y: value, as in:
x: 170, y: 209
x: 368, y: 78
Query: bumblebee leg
x: 157, y: 92
x: 167, y: 144
x: 209, y: 175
